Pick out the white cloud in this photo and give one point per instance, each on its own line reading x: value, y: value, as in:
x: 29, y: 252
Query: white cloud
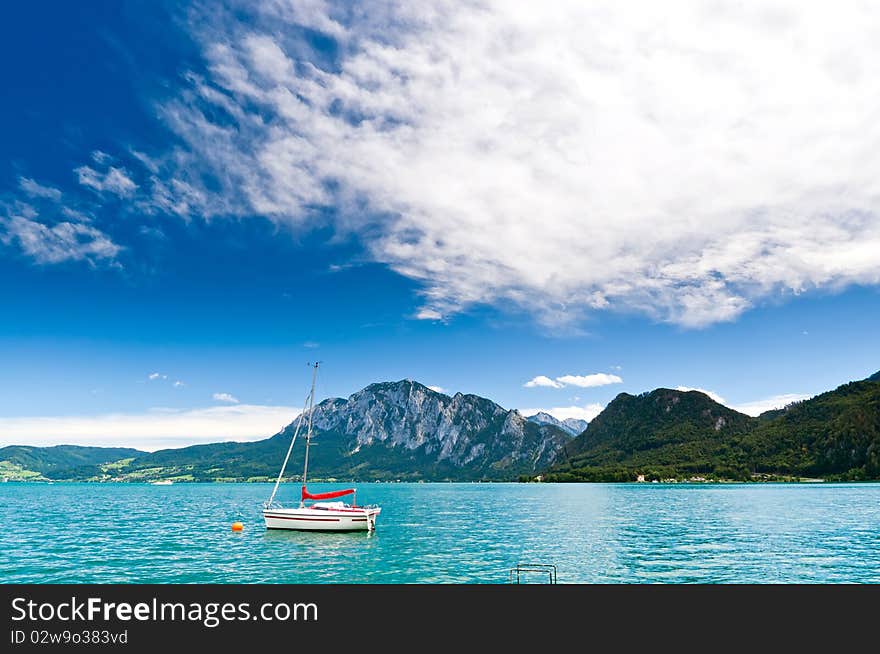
x: 174, y: 197
x: 178, y: 384
x: 63, y: 241
x: 563, y: 157
x: 429, y: 314
x: 100, y: 157
x: 225, y: 397
x: 36, y: 190
x: 152, y: 430
x: 711, y: 394
x: 156, y: 375
x: 542, y: 380
x: 76, y: 214
x: 757, y: 407
x: 437, y: 389
x: 114, y: 180
x: 583, y: 381
x: 588, y: 381
x: 34, y: 226
x: 146, y: 160
x: 587, y: 412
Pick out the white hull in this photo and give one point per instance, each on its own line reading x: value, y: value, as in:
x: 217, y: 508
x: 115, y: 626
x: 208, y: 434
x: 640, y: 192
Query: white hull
x: 311, y: 519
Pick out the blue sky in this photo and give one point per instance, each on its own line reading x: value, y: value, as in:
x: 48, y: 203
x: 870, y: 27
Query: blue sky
x: 193, y: 204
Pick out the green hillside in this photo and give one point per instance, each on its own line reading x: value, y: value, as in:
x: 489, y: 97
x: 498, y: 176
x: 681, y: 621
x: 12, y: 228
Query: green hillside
x: 675, y: 434
x: 835, y: 434
x: 57, y: 462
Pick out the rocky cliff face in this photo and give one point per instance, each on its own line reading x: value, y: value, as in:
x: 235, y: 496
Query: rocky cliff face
x: 407, y: 428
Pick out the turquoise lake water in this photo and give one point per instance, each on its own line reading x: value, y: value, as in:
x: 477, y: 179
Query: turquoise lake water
x: 451, y: 533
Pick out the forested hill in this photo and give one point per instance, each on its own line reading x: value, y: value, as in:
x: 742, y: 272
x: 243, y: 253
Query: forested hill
x: 674, y: 434
x: 29, y: 462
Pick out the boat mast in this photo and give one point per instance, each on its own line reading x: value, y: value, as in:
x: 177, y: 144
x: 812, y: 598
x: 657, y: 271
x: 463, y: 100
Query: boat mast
x: 299, y: 423
x: 309, y: 430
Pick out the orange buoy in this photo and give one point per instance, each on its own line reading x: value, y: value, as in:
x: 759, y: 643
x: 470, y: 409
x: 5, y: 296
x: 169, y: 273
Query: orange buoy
x: 237, y: 526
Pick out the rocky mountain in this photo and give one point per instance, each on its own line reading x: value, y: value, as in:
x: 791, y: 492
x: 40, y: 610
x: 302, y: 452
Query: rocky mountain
x: 421, y: 429
x: 573, y: 426
x: 392, y: 430
x: 667, y: 433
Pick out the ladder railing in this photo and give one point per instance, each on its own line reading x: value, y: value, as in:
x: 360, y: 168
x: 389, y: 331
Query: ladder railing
x: 524, y: 568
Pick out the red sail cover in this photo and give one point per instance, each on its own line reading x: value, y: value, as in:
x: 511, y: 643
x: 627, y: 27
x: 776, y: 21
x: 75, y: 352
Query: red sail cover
x: 306, y: 495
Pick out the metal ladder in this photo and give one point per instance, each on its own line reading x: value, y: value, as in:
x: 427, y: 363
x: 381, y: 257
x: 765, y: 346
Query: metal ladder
x: 522, y: 568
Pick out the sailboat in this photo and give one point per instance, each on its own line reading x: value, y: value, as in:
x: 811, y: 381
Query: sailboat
x: 320, y: 515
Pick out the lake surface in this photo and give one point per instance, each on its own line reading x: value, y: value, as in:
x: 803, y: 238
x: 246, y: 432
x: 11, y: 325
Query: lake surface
x: 450, y: 533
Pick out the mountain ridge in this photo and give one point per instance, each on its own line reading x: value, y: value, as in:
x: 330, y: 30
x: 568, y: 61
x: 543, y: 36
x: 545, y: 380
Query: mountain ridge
x: 834, y: 435
x: 385, y: 431
x: 405, y: 430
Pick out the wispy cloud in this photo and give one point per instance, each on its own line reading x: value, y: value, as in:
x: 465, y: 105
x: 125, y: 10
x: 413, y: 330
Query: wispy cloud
x: 42, y: 225
x: 101, y: 157
x: 558, y: 157
x: 151, y: 430
x: 76, y: 215
x: 178, y: 384
x: 437, y: 389
x: 429, y: 314
x: 63, y: 241
x: 582, y: 381
x: 113, y: 180
x: 36, y: 190
x: 586, y: 412
x: 156, y: 375
x: 757, y: 407
x: 146, y: 161
x: 225, y: 397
